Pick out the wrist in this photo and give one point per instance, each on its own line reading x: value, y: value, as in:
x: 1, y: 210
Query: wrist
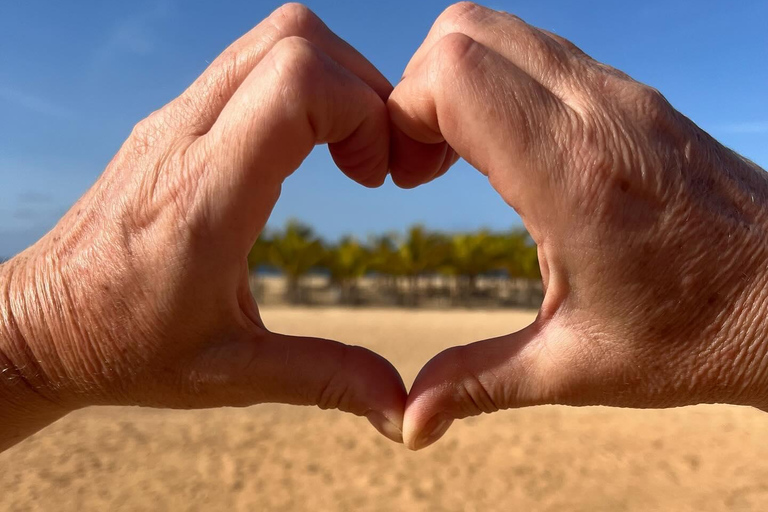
x: 758, y: 330
x: 27, y: 400
x: 750, y: 330
x: 756, y: 357
x: 735, y: 364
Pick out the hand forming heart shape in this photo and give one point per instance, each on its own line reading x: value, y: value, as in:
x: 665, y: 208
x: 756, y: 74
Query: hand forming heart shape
x: 650, y: 236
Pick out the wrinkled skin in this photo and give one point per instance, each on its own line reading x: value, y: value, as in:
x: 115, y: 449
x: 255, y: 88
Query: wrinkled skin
x: 140, y: 294
x: 651, y: 237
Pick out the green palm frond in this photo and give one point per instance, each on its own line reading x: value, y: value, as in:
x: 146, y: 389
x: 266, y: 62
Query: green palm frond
x: 296, y: 250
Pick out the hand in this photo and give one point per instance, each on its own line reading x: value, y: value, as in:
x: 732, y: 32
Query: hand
x: 140, y: 296
x: 651, y: 235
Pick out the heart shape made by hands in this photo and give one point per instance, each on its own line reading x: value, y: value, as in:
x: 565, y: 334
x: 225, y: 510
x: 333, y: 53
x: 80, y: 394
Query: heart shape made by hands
x: 139, y: 295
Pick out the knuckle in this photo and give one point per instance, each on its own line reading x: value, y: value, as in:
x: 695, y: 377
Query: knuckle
x: 296, y: 62
x: 456, y: 15
x: 295, y: 54
x: 475, y: 397
x: 302, y: 81
x: 477, y: 400
x: 650, y: 103
x: 334, y: 397
x: 144, y: 126
x: 295, y: 19
x: 457, y: 53
x: 657, y: 123
x: 566, y: 44
x: 146, y: 134
x: 337, y: 392
x: 300, y: 72
x: 533, y: 45
x: 538, y: 43
x: 229, y: 69
x: 540, y: 50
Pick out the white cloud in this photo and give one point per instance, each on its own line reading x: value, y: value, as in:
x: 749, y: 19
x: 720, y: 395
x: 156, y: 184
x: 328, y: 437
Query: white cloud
x: 135, y: 35
x: 33, y: 103
x: 130, y: 36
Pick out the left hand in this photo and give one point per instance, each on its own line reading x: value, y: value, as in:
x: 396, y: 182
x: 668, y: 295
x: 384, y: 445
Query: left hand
x: 140, y: 295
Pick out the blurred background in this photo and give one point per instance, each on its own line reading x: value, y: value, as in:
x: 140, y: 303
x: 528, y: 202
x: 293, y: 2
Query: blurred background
x: 75, y: 77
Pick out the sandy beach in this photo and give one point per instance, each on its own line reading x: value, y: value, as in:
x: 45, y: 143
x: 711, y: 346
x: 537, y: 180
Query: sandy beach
x: 280, y: 458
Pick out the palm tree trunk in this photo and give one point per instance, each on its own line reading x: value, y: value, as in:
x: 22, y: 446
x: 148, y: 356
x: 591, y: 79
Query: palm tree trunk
x: 293, y: 290
x: 414, y: 290
x: 471, y: 287
x: 353, y: 292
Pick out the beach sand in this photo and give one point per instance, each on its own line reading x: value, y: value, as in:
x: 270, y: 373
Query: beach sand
x: 272, y: 457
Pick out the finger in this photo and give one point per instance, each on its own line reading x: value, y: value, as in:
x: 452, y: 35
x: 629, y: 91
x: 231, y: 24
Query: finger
x: 419, y: 162
x: 567, y: 44
x: 295, y: 98
x: 576, y: 95
x: 534, y: 366
x: 530, y: 49
x: 556, y: 360
x: 199, y: 106
x: 494, y: 115
x: 274, y: 368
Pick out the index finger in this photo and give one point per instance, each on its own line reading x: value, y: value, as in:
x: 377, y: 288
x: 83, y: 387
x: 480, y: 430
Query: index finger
x: 496, y: 116
x: 200, y: 105
x: 295, y: 98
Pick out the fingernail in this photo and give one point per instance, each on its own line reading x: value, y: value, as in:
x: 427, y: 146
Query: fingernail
x: 432, y: 431
x: 385, y: 426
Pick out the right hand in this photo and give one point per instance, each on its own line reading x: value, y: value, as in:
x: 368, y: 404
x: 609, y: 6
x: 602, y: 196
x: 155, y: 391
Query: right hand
x: 652, y: 237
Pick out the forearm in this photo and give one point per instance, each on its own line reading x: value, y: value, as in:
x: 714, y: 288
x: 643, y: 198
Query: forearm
x: 25, y: 407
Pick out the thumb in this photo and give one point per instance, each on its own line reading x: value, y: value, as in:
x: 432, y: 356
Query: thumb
x: 275, y: 368
x: 537, y: 365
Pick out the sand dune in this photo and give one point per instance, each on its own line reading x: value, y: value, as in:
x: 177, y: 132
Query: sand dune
x: 283, y: 458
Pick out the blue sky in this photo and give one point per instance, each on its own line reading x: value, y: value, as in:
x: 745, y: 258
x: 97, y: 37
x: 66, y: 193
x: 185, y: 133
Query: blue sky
x: 76, y: 76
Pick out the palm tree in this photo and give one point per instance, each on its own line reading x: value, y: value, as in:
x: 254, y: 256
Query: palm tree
x: 419, y: 253
x: 296, y: 251
x: 348, y: 262
x: 385, y: 262
x: 520, y: 261
x: 471, y: 255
